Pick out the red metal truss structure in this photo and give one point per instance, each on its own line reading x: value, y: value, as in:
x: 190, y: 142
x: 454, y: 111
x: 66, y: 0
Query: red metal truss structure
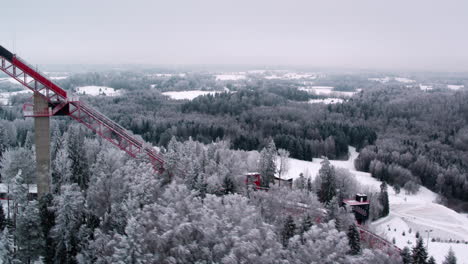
x: 60, y: 103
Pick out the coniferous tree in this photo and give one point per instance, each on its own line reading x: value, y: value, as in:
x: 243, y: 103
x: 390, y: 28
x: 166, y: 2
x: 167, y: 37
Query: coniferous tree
x: 267, y: 164
x: 76, y: 153
x: 7, y: 251
x: 431, y: 260
x: 28, y: 234
x: 328, y: 185
x: 450, y: 258
x: 406, y: 255
x: 228, y: 185
x: 354, y: 240
x: 419, y: 254
x: 307, y: 223
x: 69, y: 206
x: 289, y: 230
x: 2, y: 218
x: 47, y: 217
x: 383, y: 197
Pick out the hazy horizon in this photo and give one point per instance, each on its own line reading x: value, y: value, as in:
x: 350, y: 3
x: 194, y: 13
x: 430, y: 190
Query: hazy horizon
x: 399, y: 35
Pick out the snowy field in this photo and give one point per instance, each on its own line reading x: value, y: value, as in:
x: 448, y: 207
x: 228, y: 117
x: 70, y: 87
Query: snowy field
x: 231, y: 77
x: 166, y: 75
x: 188, y: 95
x: 418, y: 212
x: 326, y: 90
x: 291, y: 76
x: 5, y: 97
x: 97, y: 90
x: 425, y: 87
x: 455, y: 87
x: 326, y: 101
x: 387, y: 79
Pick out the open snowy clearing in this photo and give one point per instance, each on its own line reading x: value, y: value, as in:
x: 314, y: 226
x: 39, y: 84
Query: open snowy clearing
x: 188, y: 95
x: 5, y: 97
x: 291, y: 76
x: 326, y: 101
x: 230, y: 77
x: 326, y: 90
x: 97, y: 90
x: 455, y: 87
x: 418, y: 212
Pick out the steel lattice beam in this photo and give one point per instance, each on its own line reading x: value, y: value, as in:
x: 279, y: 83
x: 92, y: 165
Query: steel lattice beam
x: 58, y: 100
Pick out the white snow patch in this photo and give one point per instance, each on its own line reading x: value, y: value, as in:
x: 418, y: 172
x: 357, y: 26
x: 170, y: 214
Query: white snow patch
x: 381, y: 80
x: 455, y: 87
x: 425, y: 87
x: 98, y: 90
x: 292, y: 76
x: 326, y: 101
x: 166, y: 75
x: 326, y: 90
x: 58, y: 77
x: 6, y: 96
x: 404, y: 80
x: 230, y: 77
x: 188, y: 95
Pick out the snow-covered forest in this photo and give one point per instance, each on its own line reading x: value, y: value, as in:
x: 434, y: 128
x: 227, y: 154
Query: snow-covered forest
x: 106, y: 207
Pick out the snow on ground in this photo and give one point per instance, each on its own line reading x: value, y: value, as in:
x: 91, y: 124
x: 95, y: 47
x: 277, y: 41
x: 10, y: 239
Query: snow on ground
x: 326, y: 90
x: 381, y: 80
x: 326, y: 101
x: 404, y: 80
x: 5, y: 97
x: 418, y: 212
x: 425, y: 87
x: 166, y: 75
x: 58, y: 77
x: 97, y: 90
x: 312, y: 168
x: 230, y: 77
x: 455, y: 87
x: 188, y: 95
x: 291, y: 76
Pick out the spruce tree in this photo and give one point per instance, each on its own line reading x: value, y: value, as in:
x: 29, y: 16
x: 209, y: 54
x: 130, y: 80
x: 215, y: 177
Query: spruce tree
x: 307, y: 223
x: 289, y: 230
x: 76, y: 153
x: 328, y: 185
x: 406, y: 255
x: 267, y: 164
x: 431, y: 260
x: 7, y: 252
x: 419, y: 254
x: 29, y: 234
x: 47, y: 223
x: 228, y: 185
x: 2, y: 218
x: 383, y: 198
x: 450, y: 258
x: 354, y: 240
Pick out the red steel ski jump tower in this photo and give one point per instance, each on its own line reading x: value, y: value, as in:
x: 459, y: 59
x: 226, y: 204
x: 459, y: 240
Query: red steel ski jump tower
x: 51, y: 100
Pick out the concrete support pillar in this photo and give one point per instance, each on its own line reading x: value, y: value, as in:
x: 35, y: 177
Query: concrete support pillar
x: 42, y: 140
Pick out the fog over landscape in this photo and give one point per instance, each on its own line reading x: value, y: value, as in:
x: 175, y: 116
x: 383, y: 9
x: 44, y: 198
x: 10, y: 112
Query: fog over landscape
x: 219, y: 131
x: 417, y: 35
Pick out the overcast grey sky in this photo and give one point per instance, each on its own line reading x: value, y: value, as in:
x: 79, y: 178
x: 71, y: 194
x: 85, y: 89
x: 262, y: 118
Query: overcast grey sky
x: 392, y: 34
